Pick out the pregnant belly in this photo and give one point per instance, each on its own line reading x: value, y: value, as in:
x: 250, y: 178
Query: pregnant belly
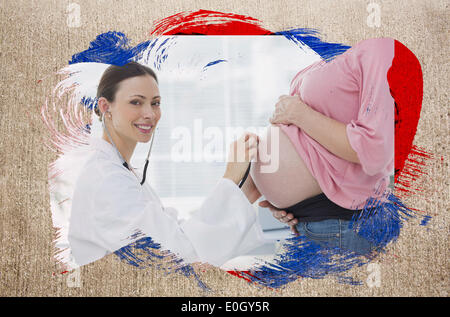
x: 280, y: 174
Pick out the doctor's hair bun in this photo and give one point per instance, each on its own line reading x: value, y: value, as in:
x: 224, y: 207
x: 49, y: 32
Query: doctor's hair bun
x: 112, y: 77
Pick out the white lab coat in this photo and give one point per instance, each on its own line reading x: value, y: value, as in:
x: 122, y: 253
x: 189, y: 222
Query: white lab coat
x: 109, y: 205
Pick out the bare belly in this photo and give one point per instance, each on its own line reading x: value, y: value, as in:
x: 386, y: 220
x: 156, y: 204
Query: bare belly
x: 280, y: 174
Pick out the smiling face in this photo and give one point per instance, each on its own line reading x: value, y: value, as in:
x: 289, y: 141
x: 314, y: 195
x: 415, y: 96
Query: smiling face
x: 135, y: 111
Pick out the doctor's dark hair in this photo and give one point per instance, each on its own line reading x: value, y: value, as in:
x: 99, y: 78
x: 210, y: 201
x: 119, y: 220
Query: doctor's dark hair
x: 113, y: 75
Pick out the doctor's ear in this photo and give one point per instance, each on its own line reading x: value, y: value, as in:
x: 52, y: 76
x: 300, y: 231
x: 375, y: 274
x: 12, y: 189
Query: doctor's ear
x: 103, y: 105
x: 102, y: 108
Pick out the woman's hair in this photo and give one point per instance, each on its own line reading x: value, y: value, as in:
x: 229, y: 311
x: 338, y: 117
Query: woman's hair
x: 113, y: 75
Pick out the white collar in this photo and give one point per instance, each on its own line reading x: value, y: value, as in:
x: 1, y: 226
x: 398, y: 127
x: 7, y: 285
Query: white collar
x: 101, y: 145
x: 107, y: 148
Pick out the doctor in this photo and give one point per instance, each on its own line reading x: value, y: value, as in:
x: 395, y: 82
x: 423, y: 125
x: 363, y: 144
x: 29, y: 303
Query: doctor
x: 110, y: 207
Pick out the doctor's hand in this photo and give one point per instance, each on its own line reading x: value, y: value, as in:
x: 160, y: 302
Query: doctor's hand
x: 242, y: 151
x: 249, y: 189
x: 281, y: 215
x: 289, y: 110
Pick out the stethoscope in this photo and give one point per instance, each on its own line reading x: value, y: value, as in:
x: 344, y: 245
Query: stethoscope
x: 241, y: 183
x: 245, y: 175
x: 120, y: 155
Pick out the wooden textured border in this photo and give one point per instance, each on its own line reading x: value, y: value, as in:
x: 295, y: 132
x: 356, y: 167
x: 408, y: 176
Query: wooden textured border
x: 40, y: 37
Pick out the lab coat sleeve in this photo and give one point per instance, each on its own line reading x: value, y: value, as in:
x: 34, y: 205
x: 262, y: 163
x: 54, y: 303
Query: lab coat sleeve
x: 225, y: 226
x: 122, y: 209
x: 371, y: 135
x: 222, y: 228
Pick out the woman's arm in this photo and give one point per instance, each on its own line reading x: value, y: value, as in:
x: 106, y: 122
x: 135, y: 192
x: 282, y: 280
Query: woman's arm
x: 330, y: 133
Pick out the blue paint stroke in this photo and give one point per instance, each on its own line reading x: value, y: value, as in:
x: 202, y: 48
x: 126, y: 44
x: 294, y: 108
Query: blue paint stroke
x: 88, y: 102
x: 380, y: 222
x: 110, y: 48
x: 142, y: 254
x: 162, y: 56
x: 310, y: 37
x: 305, y: 258
x: 214, y: 63
x: 425, y: 220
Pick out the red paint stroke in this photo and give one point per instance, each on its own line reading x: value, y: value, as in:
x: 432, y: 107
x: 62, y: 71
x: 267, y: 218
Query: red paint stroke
x: 406, y: 85
x: 240, y: 274
x: 404, y: 78
x: 390, y: 258
x: 413, y: 168
x: 205, y: 22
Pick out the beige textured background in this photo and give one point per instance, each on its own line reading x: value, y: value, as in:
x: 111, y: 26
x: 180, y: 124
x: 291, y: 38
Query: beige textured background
x: 36, y: 41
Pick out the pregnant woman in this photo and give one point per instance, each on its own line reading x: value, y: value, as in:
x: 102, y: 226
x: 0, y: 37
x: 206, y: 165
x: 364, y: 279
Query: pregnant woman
x: 336, y: 145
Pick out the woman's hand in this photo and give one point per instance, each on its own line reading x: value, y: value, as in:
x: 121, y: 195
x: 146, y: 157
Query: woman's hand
x: 242, y: 151
x: 330, y: 133
x: 288, y: 110
x: 282, y: 216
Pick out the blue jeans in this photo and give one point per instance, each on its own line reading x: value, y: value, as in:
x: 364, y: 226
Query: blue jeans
x: 335, y: 233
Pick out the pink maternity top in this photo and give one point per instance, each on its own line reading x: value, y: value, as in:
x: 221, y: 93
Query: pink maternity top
x: 354, y: 90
